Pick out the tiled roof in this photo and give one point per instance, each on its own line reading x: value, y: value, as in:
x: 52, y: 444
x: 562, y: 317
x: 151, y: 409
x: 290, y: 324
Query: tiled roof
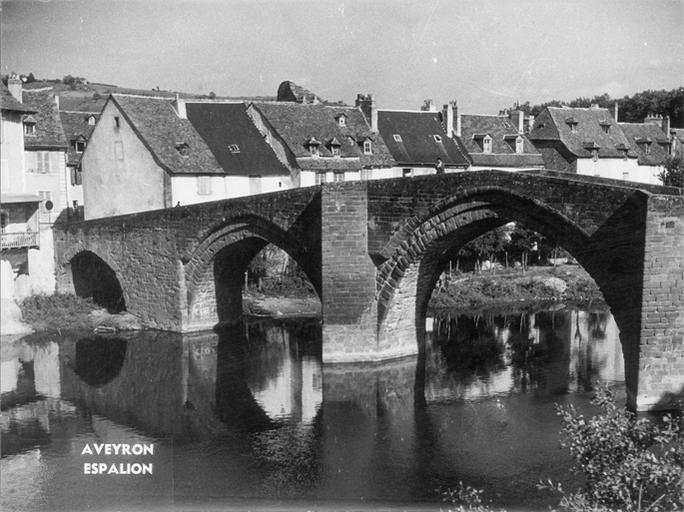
x: 297, y: 123
x: 10, y: 103
x: 420, y: 138
x: 503, y: 134
x: 161, y: 130
x: 554, y: 123
x: 49, y: 133
x: 639, y: 135
x: 76, y: 128
x: 236, y: 143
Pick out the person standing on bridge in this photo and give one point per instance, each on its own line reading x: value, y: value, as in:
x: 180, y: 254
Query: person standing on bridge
x: 439, y: 165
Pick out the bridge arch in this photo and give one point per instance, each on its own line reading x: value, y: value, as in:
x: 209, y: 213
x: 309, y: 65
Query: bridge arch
x: 417, y: 253
x: 93, y: 276
x: 215, y: 267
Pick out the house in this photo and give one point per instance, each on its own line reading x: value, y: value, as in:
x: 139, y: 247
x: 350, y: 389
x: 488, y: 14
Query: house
x: 174, y: 152
x: 586, y: 141
x: 496, y: 141
x: 653, y: 142
x: 26, y: 256
x: 320, y: 142
x: 78, y: 126
x: 418, y: 140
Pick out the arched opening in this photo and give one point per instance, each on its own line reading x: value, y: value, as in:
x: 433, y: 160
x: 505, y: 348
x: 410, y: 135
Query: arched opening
x: 407, y: 278
x: 93, y: 277
x: 217, y: 273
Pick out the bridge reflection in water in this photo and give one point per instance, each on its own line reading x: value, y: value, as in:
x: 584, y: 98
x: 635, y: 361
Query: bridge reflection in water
x: 251, y: 412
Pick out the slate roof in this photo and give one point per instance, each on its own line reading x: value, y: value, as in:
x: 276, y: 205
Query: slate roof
x: 10, y: 103
x: 158, y: 126
x: 76, y: 128
x: 296, y: 123
x: 417, y: 144
x: 226, y: 125
x: 290, y: 91
x: 49, y: 133
x: 503, y: 134
x: 553, y: 124
x: 639, y: 134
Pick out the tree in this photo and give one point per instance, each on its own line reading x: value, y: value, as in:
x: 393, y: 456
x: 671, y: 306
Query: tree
x: 673, y: 174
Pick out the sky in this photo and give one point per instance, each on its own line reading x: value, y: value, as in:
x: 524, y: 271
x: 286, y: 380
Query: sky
x: 486, y: 54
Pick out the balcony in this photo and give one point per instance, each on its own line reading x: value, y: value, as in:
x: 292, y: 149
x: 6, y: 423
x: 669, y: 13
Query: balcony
x: 19, y: 240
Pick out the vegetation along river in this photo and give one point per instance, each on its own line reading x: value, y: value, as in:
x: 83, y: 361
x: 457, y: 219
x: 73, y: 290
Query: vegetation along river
x: 250, y: 415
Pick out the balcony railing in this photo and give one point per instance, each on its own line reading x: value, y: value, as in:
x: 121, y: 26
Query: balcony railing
x: 19, y: 240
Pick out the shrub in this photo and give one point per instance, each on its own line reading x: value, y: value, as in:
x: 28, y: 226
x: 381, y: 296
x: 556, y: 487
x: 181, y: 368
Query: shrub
x: 628, y: 464
x: 466, y: 499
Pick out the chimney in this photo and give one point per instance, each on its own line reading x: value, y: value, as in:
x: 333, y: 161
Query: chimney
x: 15, y: 87
x: 615, y: 111
x: 518, y: 118
x: 530, y: 123
x: 428, y: 106
x: 57, y: 100
x: 653, y: 119
x: 448, y: 118
x: 457, y: 118
x: 179, y: 105
x: 366, y: 103
x: 666, y: 125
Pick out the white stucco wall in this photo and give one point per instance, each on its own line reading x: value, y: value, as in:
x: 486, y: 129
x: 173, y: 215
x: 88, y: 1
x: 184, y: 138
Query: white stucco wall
x: 617, y: 169
x: 185, y: 189
x: 12, y: 153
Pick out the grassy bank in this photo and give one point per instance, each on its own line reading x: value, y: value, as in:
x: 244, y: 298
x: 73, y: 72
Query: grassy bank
x: 56, y: 312
x: 538, y: 286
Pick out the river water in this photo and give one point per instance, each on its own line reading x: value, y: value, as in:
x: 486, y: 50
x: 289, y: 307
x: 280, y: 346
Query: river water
x: 250, y: 418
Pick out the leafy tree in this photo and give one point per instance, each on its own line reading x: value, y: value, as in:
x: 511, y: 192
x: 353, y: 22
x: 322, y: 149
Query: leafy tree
x: 673, y: 174
x: 68, y: 80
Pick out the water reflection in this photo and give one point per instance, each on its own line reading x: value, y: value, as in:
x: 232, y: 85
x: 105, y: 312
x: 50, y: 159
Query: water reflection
x: 250, y: 412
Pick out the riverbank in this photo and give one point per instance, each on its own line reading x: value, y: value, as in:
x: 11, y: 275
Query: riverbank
x: 508, y: 289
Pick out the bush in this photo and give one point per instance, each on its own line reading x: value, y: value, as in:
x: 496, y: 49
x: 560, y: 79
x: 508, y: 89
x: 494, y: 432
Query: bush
x: 628, y: 464
x: 466, y: 499
x: 56, y: 312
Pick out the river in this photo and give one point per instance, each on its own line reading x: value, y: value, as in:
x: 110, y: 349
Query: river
x: 250, y: 418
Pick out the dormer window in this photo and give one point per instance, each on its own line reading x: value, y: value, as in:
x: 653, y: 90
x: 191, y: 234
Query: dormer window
x: 29, y: 125
x: 335, y: 151
x: 519, y: 145
x: 486, y: 144
x: 623, y: 149
x: 438, y: 138
x: 342, y: 120
x: 396, y: 137
x: 80, y: 146
x: 183, y: 148
x: 313, y: 146
x: 572, y: 123
x: 593, y: 148
x: 605, y: 126
x: 645, y: 145
x: 594, y: 154
x: 91, y: 121
x: 334, y: 146
x: 234, y: 148
x: 367, y: 147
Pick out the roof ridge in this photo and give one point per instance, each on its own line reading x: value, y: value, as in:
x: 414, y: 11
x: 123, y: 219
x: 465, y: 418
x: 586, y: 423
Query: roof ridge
x: 143, y: 96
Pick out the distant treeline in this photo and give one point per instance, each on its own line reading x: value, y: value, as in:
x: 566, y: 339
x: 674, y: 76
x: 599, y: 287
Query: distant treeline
x: 632, y: 109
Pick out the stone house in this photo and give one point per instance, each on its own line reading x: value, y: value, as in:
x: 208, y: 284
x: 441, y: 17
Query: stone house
x: 586, y: 141
x: 78, y: 126
x: 320, y: 142
x: 418, y: 138
x: 26, y: 211
x: 173, y: 152
x: 653, y: 142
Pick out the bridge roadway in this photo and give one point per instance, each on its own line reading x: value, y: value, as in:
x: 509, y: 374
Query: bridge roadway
x: 374, y: 250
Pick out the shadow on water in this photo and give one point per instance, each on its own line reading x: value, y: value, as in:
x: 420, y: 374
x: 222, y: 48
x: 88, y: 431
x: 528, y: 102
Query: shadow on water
x: 99, y: 359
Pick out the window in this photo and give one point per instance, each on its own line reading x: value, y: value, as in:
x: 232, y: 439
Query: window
x: 321, y: 178
x: 335, y: 150
x: 438, y: 138
x: 605, y: 128
x: 397, y: 137
x: 407, y: 173
x: 519, y: 145
x: 594, y: 154
x: 624, y: 154
x: 255, y: 184
x: 487, y: 144
x: 203, y: 185
x: 367, y: 147
x: 76, y: 176
x: 234, y: 148
x: 573, y: 128
x: 313, y: 149
x: 91, y: 120
x: 117, y: 122
x: 42, y: 163
x: 338, y: 176
x: 625, y: 175
x: 342, y: 120
x: 647, y: 148
x: 80, y: 146
x: 118, y: 150
x: 183, y: 149
x: 29, y: 128
x: 4, y: 220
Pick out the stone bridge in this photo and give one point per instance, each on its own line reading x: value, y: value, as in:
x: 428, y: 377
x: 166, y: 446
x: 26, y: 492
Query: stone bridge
x: 374, y: 250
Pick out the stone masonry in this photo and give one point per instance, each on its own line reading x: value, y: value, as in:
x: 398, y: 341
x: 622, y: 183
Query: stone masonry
x: 373, y: 251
